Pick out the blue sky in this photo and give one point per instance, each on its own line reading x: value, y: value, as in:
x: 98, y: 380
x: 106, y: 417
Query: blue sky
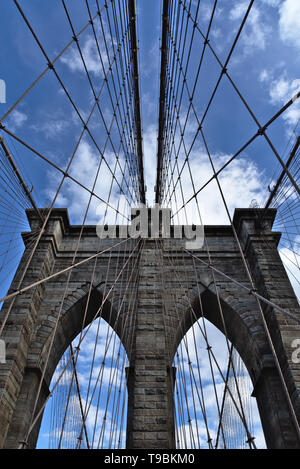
x: 265, y: 66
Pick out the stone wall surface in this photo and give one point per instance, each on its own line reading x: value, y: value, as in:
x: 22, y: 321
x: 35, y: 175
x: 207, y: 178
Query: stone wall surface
x: 174, y: 290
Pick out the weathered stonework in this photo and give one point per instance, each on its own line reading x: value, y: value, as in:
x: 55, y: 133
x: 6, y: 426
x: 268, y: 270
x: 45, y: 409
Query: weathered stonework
x: 168, y: 302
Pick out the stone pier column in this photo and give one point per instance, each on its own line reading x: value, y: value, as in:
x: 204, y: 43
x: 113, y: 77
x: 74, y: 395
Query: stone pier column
x: 16, y: 382
x: 150, y: 380
x: 271, y: 280
x: 21, y: 418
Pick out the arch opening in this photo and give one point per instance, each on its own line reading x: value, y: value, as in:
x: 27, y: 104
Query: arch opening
x: 217, y: 357
x: 88, y: 408
x: 212, y: 394
x: 86, y: 371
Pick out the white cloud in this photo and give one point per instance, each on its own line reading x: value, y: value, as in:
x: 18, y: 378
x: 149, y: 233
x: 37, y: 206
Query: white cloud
x: 256, y: 30
x: 51, y: 127
x: 238, y: 11
x: 150, y: 155
x: 281, y: 89
x: 16, y: 120
x: 272, y: 3
x: 259, y: 441
x: 264, y: 76
x: 90, y: 54
x: 291, y: 261
x: 241, y: 181
x: 84, y: 169
x: 289, y: 22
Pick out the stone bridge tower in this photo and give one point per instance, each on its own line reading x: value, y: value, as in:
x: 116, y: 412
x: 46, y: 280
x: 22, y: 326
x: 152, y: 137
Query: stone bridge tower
x: 158, y: 329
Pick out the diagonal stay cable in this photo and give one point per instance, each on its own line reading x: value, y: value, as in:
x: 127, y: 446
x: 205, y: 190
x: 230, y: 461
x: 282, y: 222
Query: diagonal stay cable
x: 60, y: 272
x: 125, y: 71
x: 65, y: 174
x: 261, y: 129
x: 179, y: 65
x: 220, y: 309
x: 190, y: 95
x: 61, y: 83
x: 37, y: 416
x: 108, y: 130
x: 244, y: 287
x: 5, y: 116
x: 257, y: 134
x: 225, y: 71
x: 85, y: 333
x: 221, y: 74
x: 194, y: 318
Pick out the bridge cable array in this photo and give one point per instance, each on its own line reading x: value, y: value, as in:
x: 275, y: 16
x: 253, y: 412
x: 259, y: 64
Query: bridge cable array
x: 88, y: 408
